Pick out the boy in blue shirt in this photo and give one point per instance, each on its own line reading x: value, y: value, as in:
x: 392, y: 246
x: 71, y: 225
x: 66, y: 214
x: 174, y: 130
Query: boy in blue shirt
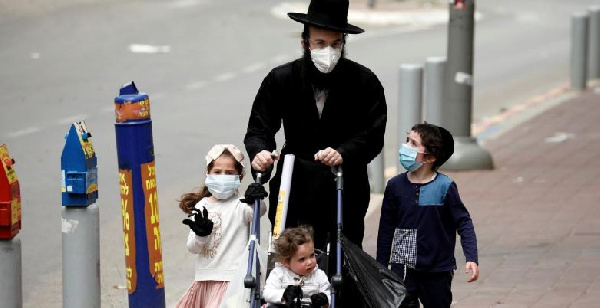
x: 420, y: 217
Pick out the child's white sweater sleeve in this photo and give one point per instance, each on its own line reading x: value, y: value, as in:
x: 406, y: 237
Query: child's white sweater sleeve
x: 273, y: 291
x: 195, y: 242
x: 249, y: 210
x: 324, y: 285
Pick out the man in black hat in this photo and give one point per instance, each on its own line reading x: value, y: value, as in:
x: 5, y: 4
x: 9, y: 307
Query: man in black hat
x: 333, y: 112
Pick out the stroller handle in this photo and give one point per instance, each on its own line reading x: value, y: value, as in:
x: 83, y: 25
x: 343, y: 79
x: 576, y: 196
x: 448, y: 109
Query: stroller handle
x: 337, y: 280
x: 250, y: 281
x: 339, y: 176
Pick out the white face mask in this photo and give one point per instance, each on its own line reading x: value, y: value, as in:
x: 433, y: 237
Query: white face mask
x: 222, y: 186
x: 326, y: 58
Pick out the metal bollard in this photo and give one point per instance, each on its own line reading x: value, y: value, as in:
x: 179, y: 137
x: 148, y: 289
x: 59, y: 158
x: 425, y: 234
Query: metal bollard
x: 377, y: 174
x: 409, y: 101
x: 81, y: 256
x: 458, y: 103
x: 594, y: 41
x: 434, y: 89
x: 139, y: 200
x: 579, y: 50
x: 11, y: 290
x: 80, y: 220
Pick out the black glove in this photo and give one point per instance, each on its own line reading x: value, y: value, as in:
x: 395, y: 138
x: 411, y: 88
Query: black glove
x: 201, y: 225
x: 254, y: 192
x: 319, y: 300
x: 291, y: 293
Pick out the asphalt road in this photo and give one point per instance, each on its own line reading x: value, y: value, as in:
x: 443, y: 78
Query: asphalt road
x: 66, y: 62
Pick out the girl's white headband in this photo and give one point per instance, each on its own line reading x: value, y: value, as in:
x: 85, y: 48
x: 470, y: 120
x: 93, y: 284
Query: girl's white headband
x: 218, y: 149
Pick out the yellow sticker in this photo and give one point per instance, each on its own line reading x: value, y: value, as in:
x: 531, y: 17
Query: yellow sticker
x: 128, y: 215
x: 279, y: 213
x: 86, y: 145
x: 10, y: 172
x: 15, y: 205
x: 152, y: 224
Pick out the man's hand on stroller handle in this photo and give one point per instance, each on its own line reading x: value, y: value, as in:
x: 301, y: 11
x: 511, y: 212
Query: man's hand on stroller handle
x: 330, y: 157
x: 264, y: 160
x: 201, y: 225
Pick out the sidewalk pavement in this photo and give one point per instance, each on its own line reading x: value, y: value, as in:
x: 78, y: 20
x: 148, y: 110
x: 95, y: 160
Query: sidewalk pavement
x: 536, y: 215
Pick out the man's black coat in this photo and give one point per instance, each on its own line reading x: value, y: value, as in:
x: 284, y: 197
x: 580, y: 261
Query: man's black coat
x: 352, y: 122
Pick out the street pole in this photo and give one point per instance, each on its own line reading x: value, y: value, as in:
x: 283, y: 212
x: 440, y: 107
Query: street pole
x: 594, y: 41
x: 434, y: 89
x: 410, y: 98
x: 11, y: 292
x: 80, y: 220
x: 371, y: 4
x: 139, y: 200
x: 457, y: 109
x: 579, y: 50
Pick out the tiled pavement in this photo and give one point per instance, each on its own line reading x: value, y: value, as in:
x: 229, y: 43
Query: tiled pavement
x: 536, y: 215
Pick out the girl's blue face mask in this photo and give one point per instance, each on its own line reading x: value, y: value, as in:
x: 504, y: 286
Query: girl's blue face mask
x: 408, y: 158
x: 222, y: 186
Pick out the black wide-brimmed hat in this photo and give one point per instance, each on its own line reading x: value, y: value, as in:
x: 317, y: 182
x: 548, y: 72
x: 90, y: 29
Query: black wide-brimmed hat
x: 327, y: 14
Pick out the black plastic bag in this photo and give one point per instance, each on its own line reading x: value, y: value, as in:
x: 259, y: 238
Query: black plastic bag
x: 379, y: 286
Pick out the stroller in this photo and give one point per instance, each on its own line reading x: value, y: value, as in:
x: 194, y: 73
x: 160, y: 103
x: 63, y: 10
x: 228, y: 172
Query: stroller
x: 379, y: 287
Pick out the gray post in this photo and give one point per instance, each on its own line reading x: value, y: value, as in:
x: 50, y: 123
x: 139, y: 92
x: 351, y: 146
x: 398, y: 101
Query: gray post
x: 579, y: 50
x: 371, y: 4
x: 409, y: 101
x: 81, y: 256
x: 457, y: 108
x: 434, y: 89
x: 594, y: 41
x: 11, y: 285
x: 377, y: 174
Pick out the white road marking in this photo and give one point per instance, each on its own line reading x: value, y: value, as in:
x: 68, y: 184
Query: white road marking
x: 142, y: 48
x: 254, y: 67
x: 183, y: 4
x: 280, y: 59
x: 528, y: 17
x: 23, y: 132
x: 225, y: 77
x: 196, y: 85
x: 559, y: 137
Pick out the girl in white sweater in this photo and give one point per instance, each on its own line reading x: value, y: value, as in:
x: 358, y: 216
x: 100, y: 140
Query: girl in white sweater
x: 219, y: 229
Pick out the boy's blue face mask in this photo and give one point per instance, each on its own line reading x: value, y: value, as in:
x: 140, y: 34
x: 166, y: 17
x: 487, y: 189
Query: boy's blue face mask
x: 408, y: 158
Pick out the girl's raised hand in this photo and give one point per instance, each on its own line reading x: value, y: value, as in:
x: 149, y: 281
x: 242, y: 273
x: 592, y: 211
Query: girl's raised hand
x: 201, y: 225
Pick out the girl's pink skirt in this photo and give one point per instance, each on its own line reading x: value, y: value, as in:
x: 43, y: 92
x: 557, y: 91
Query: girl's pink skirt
x: 203, y: 294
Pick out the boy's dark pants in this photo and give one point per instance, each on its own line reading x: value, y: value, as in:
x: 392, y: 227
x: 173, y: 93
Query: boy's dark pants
x: 431, y: 288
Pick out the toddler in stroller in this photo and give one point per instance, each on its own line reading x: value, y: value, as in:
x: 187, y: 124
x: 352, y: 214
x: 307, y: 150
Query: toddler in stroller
x: 296, y: 280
